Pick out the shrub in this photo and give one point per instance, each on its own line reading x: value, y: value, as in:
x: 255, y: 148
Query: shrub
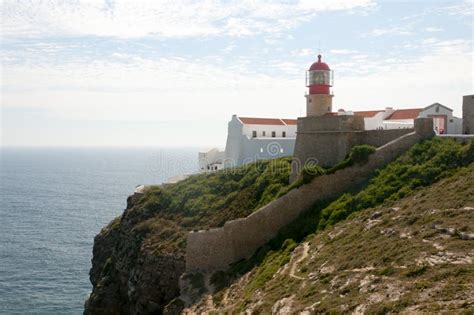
x: 422, y: 165
x: 308, y: 173
x: 360, y: 153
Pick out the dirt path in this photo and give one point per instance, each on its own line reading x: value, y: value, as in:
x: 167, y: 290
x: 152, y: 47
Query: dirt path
x: 303, y: 253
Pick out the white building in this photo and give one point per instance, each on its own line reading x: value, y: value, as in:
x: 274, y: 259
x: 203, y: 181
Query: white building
x: 250, y: 139
x: 444, y: 121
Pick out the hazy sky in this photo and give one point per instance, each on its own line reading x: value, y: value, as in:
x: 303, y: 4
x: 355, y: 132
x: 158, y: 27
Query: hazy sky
x: 173, y: 72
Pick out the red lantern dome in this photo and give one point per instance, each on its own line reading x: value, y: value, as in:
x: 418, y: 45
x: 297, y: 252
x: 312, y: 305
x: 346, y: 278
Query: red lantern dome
x: 319, y: 78
x: 319, y: 65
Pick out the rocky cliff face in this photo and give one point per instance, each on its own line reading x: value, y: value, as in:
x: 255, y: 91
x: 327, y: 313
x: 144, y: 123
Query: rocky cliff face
x: 402, y: 243
x: 129, y: 274
x: 139, y: 257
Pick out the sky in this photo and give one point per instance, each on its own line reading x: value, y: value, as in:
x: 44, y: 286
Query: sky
x: 171, y: 73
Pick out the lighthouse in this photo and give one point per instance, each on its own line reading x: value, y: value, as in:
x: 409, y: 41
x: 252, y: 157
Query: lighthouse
x: 319, y: 80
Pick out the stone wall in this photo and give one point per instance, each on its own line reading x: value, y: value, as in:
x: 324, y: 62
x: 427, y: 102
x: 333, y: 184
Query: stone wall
x: 327, y: 140
x: 237, y: 239
x: 318, y: 104
x: 378, y: 138
x: 468, y: 114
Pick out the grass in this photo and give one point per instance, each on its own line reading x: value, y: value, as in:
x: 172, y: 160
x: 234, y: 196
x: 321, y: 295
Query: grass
x: 421, y: 166
x: 161, y: 218
x: 359, y: 154
x: 209, y: 200
x: 397, y: 275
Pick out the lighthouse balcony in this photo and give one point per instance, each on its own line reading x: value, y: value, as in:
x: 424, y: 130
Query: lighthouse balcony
x: 306, y: 93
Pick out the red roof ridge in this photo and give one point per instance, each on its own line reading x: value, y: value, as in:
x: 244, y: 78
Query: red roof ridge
x: 367, y: 113
x: 405, y: 113
x: 266, y: 121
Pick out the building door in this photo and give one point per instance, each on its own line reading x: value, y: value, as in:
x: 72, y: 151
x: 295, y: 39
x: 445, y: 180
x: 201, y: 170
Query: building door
x: 440, y: 123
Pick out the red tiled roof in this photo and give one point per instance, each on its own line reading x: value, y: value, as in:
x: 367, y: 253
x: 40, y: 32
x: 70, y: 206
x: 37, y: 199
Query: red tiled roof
x: 266, y: 121
x: 411, y: 113
x: 290, y: 121
x: 367, y: 113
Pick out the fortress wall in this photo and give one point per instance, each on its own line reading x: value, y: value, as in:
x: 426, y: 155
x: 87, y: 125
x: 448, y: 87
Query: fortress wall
x: 239, y: 239
x: 208, y: 249
x: 378, y: 138
x: 330, y: 123
x: 468, y: 114
x: 323, y: 149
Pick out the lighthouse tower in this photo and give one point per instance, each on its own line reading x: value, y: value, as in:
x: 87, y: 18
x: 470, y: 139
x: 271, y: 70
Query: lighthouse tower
x: 319, y: 80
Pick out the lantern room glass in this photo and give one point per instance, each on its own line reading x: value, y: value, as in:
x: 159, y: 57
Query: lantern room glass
x: 319, y: 77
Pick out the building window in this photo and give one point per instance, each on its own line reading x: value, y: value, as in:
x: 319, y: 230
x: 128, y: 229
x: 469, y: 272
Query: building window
x: 281, y: 150
x: 263, y: 133
x: 273, y: 134
x: 261, y: 150
x: 254, y: 134
x: 283, y: 134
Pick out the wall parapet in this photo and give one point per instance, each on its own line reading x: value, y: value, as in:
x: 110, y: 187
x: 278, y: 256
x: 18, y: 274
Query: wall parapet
x: 238, y: 239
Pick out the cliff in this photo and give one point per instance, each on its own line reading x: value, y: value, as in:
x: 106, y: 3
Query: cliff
x: 139, y: 257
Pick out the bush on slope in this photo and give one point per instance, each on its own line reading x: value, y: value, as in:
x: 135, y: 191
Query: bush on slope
x: 422, y: 165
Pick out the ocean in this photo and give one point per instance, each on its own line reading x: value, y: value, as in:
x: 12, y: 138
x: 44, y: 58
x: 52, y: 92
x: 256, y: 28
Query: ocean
x: 53, y: 202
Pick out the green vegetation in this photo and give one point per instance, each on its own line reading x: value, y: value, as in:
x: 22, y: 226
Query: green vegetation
x: 416, y: 271
x: 388, y: 258
x: 422, y: 165
x: 359, y: 154
x: 272, y: 262
x: 209, y: 200
x: 161, y: 218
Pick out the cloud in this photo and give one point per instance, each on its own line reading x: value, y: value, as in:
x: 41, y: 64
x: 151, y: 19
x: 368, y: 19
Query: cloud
x: 304, y: 52
x: 441, y: 72
x: 143, y: 89
x: 396, y: 30
x: 163, y: 19
x: 434, y: 29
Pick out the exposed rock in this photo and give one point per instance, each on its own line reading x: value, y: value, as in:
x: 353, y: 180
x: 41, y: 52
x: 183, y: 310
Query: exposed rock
x: 127, y: 277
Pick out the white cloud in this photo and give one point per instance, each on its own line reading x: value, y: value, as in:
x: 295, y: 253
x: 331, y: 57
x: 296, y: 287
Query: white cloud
x: 160, y: 18
x: 441, y: 73
x: 163, y: 90
x: 396, y: 30
x: 304, y: 52
x: 429, y: 41
x: 434, y: 29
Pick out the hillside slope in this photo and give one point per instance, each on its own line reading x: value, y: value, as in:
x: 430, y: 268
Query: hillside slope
x: 139, y: 257
x: 415, y: 254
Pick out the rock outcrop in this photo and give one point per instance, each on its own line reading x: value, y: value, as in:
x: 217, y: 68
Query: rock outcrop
x: 128, y: 275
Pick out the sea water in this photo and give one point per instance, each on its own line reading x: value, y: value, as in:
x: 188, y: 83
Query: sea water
x: 53, y: 201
